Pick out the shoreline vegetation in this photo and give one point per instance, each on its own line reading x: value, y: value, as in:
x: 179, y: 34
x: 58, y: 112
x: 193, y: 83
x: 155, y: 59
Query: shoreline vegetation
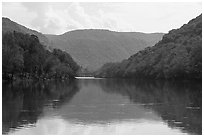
x: 177, y: 56
x: 24, y: 57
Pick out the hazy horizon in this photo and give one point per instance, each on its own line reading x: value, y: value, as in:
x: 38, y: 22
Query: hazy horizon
x: 61, y: 17
x: 88, y: 29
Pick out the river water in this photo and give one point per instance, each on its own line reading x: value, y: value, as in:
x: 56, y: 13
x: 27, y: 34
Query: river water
x: 102, y: 106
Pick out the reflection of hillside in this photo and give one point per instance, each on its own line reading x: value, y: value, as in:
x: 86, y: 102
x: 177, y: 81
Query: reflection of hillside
x: 91, y: 105
x: 178, y: 103
x: 23, y: 102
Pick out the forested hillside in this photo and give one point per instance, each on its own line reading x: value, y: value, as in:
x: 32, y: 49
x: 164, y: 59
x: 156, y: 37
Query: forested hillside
x: 91, y: 48
x: 23, y: 56
x: 10, y: 26
x: 177, y: 55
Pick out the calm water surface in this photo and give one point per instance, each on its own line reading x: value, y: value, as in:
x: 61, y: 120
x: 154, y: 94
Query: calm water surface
x: 102, y: 106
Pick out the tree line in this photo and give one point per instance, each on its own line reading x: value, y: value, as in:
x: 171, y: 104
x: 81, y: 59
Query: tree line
x: 177, y: 56
x: 24, y: 57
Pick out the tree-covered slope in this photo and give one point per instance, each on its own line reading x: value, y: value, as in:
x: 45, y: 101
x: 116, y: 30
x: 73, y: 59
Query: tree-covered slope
x: 10, y: 26
x: 92, y: 48
x: 23, y: 56
x: 177, y: 55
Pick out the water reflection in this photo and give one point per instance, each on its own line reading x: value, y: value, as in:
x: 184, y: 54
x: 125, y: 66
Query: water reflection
x: 24, y: 102
x: 102, y: 107
x: 178, y: 103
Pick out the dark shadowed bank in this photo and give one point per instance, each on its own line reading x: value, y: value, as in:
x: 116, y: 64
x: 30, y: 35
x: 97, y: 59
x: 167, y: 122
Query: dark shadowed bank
x: 177, y: 56
x: 24, y: 57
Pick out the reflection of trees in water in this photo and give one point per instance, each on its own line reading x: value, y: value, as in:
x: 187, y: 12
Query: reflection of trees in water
x: 178, y: 103
x: 24, y: 102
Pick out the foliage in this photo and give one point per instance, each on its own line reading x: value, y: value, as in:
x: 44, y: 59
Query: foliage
x: 177, y: 56
x: 24, y: 56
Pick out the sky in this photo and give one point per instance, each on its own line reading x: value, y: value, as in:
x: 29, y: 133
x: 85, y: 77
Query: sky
x: 58, y: 18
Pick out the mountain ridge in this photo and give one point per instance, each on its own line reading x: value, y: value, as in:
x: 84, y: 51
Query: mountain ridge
x: 9, y: 26
x: 91, y: 48
x: 88, y: 47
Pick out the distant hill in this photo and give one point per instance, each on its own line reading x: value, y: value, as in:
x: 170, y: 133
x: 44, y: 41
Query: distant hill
x: 10, y: 26
x: 177, y: 55
x: 93, y: 47
x: 25, y: 55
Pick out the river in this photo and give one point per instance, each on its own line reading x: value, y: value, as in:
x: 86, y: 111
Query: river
x: 102, y: 106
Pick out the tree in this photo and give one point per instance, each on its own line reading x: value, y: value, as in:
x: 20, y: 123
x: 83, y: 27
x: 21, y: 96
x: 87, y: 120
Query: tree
x: 23, y: 53
x: 12, y: 57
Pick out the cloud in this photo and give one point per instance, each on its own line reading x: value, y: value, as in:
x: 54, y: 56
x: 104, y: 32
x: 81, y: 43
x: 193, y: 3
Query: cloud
x: 58, y: 18
x: 18, y: 13
x: 47, y: 19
